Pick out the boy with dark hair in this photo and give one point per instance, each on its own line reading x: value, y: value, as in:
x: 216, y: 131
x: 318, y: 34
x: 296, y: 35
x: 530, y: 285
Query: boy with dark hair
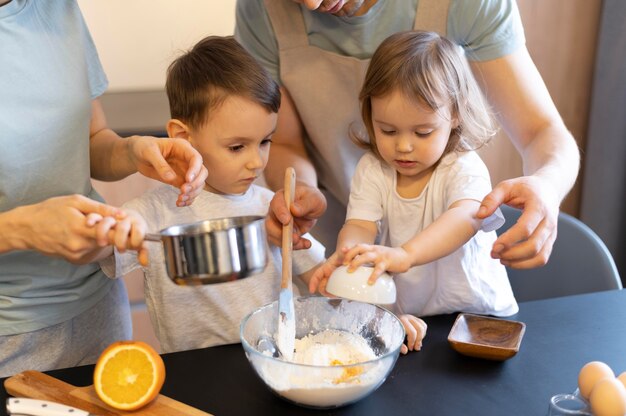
x: 225, y: 104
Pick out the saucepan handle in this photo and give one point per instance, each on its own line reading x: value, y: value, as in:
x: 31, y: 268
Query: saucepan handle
x: 152, y: 237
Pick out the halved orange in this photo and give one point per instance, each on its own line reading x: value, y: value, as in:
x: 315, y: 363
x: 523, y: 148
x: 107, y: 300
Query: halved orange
x: 128, y: 375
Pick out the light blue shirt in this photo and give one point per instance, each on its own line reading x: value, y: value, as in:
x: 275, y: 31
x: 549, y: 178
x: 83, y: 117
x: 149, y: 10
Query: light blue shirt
x: 486, y: 29
x: 49, y: 74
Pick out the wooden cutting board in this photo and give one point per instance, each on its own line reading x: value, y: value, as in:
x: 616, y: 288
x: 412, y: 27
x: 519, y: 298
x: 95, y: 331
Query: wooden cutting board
x: 36, y: 385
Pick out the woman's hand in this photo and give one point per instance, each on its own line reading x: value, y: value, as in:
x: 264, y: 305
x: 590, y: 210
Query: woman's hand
x: 528, y: 243
x: 173, y: 161
x: 309, y: 204
x: 391, y: 259
x: 58, y: 227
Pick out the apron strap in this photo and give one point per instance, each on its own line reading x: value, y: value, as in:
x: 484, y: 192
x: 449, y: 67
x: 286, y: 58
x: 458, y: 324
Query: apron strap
x: 288, y: 23
x: 431, y: 15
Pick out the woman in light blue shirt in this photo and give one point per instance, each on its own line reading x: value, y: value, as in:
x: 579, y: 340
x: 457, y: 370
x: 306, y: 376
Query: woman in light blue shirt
x: 57, y: 308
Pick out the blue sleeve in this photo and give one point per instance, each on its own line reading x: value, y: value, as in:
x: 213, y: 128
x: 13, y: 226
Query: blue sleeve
x: 98, y: 82
x: 486, y: 29
x: 254, y: 31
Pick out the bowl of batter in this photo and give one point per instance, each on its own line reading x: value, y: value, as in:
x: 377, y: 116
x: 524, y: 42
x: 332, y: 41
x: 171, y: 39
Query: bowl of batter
x: 344, y: 350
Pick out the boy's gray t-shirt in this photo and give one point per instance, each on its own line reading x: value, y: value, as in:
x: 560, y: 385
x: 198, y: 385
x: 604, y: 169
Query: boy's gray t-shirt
x: 50, y: 75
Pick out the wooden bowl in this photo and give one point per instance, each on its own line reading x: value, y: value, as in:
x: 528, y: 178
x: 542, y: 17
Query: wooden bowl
x: 486, y: 337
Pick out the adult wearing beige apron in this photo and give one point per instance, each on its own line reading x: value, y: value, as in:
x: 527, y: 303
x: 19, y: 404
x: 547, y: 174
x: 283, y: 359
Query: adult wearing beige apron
x: 321, y: 79
x: 327, y: 123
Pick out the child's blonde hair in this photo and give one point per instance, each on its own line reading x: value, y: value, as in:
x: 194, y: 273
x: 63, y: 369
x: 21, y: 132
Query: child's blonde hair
x: 428, y: 69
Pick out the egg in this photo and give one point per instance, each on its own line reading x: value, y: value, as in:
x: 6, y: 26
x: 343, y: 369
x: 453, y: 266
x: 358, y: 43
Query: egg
x: 590, y: 374
x: 622, y: 378
x: 608, y: 398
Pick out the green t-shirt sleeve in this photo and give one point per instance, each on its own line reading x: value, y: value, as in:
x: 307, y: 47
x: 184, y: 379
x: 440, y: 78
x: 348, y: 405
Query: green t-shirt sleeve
x: 254, y: 31
x: 486, y: 29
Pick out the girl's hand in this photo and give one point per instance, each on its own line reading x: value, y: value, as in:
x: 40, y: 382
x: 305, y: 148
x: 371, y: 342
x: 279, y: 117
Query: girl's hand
x: 392, y: 259
x: 415, y: 332
x: 125, y: 234
x: 320, y: 277
x: 173, y: 161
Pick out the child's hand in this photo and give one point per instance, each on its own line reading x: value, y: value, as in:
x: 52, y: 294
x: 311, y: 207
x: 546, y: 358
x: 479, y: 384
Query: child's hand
x: 392, y: 259
x: 320, y: 277
x: 124, y: 233
x: 415, y: 332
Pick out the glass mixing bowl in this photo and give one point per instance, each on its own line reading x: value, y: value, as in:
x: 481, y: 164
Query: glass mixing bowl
x: 324, y: 386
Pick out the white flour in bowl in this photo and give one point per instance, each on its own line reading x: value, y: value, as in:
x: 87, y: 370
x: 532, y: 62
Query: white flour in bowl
x: 320, y: 382
x: 332, y: 347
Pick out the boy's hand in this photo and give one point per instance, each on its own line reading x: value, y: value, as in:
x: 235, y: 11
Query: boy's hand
x: 320, y: 277
x: 415, y: 332
x: 125, y: 234
x: 172, y: 161
x: 392, y: 259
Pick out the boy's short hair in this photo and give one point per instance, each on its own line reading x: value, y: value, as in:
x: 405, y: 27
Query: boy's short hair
x: 215, y: 68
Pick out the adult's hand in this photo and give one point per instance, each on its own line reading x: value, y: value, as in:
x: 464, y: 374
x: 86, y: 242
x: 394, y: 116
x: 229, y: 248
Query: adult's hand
x: 528, y: 243
x: 58, y: 227
x: 173, y: 161
x: 309, y: 204
x: 527, y: 113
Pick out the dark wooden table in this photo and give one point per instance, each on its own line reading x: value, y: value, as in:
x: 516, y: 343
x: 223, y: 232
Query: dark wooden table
x: 562, y: 334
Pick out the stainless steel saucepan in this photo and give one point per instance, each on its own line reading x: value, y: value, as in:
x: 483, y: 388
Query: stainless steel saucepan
x: 214, y: 251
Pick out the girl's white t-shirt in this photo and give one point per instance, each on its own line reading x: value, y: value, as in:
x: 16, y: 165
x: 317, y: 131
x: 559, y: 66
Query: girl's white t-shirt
x: 468, y: 280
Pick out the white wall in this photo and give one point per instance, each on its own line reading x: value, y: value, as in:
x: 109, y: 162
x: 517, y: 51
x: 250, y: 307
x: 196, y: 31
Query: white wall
x: 137, y: 39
